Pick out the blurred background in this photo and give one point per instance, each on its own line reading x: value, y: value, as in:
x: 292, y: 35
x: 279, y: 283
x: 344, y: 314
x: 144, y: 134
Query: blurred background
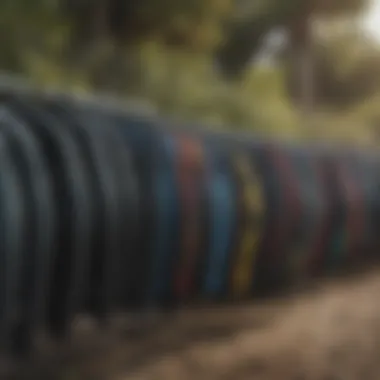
x: 298, y: 69
x: 294, y: 69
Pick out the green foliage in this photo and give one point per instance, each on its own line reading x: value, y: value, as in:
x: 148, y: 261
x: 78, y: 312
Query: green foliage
x: 333, y: 8
x: 347, y: 70
x: 192, y: 90
x: 163, y: 51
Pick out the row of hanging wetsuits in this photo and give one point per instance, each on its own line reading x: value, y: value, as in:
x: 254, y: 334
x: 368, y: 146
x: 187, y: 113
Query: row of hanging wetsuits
x: 104, y: 211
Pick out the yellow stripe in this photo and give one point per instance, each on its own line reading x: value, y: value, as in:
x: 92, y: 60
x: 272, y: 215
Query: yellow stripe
x: 246, y: 249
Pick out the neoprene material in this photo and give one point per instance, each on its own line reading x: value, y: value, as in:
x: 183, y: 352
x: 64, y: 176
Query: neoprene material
x: 160, y: 291
x: 262, y: 271
x: 13, y: 217
x: 346, y: 191
x: 283, y: 213
x: 365, y: 166
x: 376, y: 205
x: 102, y: 211
x: 34, y: 272
x: 251, y: 209
x: 128, y: 219
x: 371, y: 171
x: 140, y: 137
x: 114, y: 265
x: 356, y: 221
x: 64, y: 112
x: 163, y: 194
x: 222, y: 209
x: 188, y: 263
x: 103, y: 280
x: 314, y: 265
x: 311, y: 207
x: 73, y: 217
x: 330, y: 220
x: 190, y: 174
x: 336, y: 248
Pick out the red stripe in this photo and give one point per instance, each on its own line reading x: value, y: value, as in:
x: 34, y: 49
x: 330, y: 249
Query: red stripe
x: 190, y: 178
x: 290, y: 202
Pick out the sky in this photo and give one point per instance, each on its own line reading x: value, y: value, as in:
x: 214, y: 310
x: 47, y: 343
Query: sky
x: 372, y: 20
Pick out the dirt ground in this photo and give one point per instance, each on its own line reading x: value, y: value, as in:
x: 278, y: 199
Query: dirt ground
x: 328, y: 333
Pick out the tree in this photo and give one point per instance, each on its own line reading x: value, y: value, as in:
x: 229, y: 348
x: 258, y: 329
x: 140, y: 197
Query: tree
x: 347, y: 70
x: 245, y: 34
x: 191, y: 23
x: 296, y: 17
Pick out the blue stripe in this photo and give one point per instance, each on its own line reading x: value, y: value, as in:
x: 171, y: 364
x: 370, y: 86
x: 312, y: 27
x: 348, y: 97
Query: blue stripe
x: 166, y: 230
x: 222, y: 219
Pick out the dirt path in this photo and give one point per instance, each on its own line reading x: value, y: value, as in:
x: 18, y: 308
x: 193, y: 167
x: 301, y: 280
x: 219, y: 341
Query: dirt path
x: 330, y: 334
x: 333, y: 334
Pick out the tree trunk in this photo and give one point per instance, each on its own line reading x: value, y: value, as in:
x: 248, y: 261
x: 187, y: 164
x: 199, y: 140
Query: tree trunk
x: 301, y: 73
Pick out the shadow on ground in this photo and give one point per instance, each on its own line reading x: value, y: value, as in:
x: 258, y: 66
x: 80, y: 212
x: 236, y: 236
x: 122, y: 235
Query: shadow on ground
x: 330, y: 332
